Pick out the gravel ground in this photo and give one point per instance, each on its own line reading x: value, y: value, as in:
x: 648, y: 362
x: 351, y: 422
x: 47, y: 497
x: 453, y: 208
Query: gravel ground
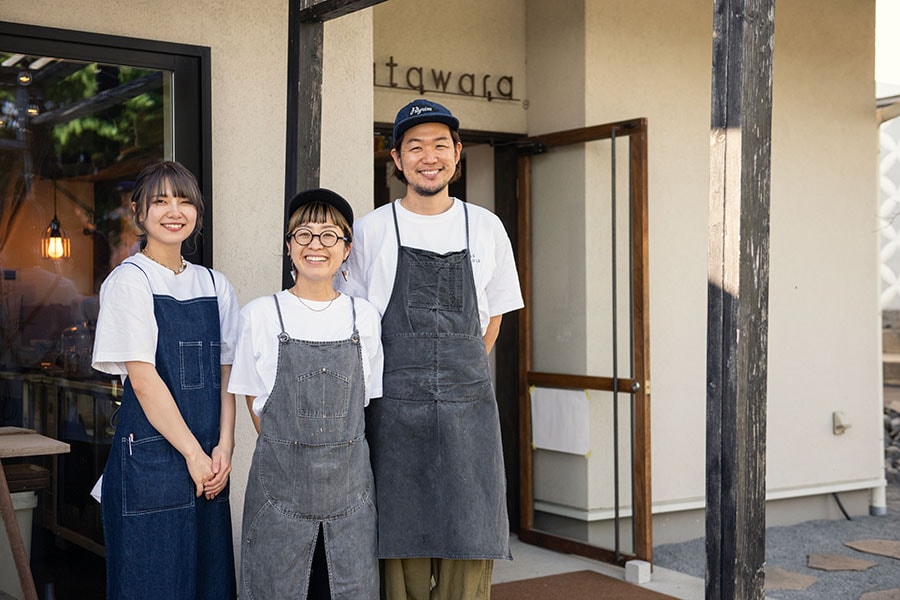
x: 788, y: 548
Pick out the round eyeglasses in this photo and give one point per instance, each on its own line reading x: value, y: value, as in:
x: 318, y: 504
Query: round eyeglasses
x: 304, y: 237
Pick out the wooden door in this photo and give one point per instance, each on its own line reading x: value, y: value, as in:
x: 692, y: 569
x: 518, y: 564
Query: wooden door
x: 584, y: 342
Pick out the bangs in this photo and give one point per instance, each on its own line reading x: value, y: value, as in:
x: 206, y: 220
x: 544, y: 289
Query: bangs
x: 318, y: 212
x: 182, y: 184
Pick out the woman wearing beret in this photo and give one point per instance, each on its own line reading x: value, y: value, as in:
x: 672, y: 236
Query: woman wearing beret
x: 308, y: 359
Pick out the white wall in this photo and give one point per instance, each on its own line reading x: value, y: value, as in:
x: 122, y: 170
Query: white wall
x: 653, y: 60
x: 556, y: 63
x: 347, y: 166
x: 471, y: 36
x: 825, y: 318
x: 644, y: 58
x: 887, y: 65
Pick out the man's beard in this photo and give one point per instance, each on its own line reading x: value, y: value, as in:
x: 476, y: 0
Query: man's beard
x: 428, y: 192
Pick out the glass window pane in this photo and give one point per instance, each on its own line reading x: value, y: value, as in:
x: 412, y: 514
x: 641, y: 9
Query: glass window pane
x: 73, y: 135
x: 582, y: 205
x: 575, y: 487
x: 80, y: 115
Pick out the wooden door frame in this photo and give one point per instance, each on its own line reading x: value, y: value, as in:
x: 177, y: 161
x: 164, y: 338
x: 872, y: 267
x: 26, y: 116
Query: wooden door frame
x: 639, y: 387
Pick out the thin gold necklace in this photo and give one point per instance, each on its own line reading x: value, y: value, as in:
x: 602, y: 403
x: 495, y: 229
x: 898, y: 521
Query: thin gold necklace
x: 177, y: 271
x: 324, y: 308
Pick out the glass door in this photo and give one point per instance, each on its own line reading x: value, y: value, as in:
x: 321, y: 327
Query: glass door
x: 80, y: 116
x: 585, y: 406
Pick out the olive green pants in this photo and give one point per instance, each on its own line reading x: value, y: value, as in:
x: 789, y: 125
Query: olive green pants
x: 436, y: 579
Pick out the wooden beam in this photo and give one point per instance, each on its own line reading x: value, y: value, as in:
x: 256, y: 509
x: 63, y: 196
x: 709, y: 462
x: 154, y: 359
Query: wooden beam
x: 737, y: 325
x: 886, y: 113
x: 304, y: 112
x: 526, y: 343
x: 507, y: 347
x: 310, y: 11
x: 642, y: 490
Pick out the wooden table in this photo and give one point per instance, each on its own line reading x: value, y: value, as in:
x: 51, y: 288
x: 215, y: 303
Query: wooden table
x: 17, y: 442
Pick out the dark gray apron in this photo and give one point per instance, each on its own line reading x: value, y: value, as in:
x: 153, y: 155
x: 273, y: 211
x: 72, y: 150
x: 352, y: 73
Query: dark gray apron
x: 435, y: 435
x: 311, y: 469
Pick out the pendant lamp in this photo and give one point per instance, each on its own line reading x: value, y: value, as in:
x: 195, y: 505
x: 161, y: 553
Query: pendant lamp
x: 55, y: 241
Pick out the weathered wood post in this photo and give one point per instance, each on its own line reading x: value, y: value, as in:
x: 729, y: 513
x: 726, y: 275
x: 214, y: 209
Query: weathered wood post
x: 737, y: 327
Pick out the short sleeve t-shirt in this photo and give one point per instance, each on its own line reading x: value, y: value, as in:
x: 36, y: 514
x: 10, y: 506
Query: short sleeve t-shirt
x: 126, y: 327
x: 256, y: 359
x: 372, y: 264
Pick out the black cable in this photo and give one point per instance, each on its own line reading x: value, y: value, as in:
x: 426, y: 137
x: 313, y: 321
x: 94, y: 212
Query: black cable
x: 841, y: 506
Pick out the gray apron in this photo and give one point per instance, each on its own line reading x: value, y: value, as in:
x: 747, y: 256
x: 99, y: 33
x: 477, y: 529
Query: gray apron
x: 435, y: 435
x: 311, y: 469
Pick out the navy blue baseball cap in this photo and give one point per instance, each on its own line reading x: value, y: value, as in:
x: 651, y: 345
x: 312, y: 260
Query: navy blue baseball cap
x: 422, y: 111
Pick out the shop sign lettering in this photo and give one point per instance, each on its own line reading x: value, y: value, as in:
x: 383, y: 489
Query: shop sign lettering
x: 429, y: 79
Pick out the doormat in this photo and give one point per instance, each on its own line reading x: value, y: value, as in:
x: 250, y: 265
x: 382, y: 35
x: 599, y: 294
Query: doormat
x: 578, y: 585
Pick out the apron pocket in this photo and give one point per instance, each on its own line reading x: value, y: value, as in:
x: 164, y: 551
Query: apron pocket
x: 275, y: 556
x: 191, y: 359
x: 323, y: 394
x: 436, y: 284
x: 154, y: 477
x: 306, y: 481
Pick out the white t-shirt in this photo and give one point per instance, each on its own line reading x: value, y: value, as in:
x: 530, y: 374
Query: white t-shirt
x: 126, y: 327
x: 256, y: 357
x: 372, y: 264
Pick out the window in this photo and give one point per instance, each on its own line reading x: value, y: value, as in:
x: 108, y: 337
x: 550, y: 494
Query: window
x: 80, y: 115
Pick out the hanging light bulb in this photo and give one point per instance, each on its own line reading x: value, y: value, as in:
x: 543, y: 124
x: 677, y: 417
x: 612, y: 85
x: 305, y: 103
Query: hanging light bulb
x: 55, y: 241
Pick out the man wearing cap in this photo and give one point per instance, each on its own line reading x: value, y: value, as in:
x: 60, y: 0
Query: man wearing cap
x: 442, y: 274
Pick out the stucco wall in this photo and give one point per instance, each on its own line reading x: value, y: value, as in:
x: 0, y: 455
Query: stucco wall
x: 347, y: 109
x: 481, y: 39
x: 824, y: 310
x: 647, y: 59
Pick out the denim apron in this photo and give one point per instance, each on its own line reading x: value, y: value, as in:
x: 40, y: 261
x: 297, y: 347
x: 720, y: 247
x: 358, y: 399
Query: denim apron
x: 435, y: 434
x: 161, y: 540
x: 311, y: 472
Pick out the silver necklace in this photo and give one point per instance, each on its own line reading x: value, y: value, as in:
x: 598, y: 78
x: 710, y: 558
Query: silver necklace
x: 324, y: 308
x: 177, y: 271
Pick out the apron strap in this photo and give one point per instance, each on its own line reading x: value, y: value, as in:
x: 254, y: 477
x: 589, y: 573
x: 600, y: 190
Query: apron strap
x: 466, y: 212
x: 138, y: 267
x: 278, y: 308
x: 141, y: 269
x: 353, y: 307
x: 396, y: 225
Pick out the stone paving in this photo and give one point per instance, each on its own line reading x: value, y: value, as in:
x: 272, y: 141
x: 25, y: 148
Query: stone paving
x: 856, y: 559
